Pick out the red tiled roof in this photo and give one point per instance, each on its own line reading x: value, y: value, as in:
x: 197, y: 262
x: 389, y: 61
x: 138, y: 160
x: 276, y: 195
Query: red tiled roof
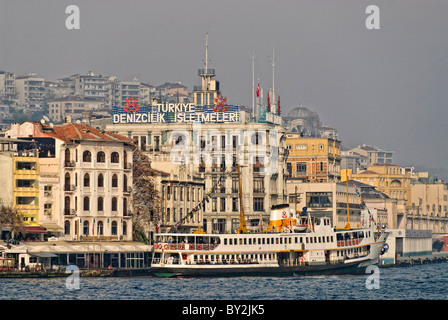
x: 74, y: 131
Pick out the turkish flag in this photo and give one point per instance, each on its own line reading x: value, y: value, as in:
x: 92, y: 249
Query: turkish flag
x: 258, y: 90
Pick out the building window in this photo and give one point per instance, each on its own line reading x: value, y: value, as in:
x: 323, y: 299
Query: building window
x: 86, y: 204
x: 87, y: 156
x: 67, y: 227
x: 223, y: 204
x: 86, y: 180
x: 86, y: 228
x: 301, y: 167
x: 100, y: 204
x: 100, y: 181
x: 101, y: 157
x: 114, y: 204
x: 319, y: 199
x: 114, y: 181
x: 115, y: 157
x: 114, y: 228
x: 258, y: 204
x: 125, y: 228
x: 234, y: 204
x: 99, y: 229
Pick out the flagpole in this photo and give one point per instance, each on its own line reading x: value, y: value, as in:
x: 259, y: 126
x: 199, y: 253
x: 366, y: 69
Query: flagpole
x: 253, y: 85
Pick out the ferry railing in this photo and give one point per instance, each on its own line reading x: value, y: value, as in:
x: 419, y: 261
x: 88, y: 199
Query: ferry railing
x: 185, y: 246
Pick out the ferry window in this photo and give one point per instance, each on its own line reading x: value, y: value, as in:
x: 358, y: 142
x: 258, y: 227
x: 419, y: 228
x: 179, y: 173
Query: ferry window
x: 245, y: 241
x: 250, y: 241
x: 276, y: 240
x: 225, y: 241
x: 306, y: 240
x: 320, y: 240
x: 281, y: 241
x: 230, y: 241
x: 296, y: 240
x: 263, y: 240
x: 241, y: 241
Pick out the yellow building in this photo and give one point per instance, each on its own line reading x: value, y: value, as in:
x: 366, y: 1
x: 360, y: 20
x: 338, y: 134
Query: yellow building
x: 19, y: 181
x: 313, y: 159
x: 387, y: 178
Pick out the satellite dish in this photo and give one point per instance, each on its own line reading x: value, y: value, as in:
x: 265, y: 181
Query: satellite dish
x: 51, y: 125
x: 46, y: 119
x: 42, y: 121
x: 78, y: 121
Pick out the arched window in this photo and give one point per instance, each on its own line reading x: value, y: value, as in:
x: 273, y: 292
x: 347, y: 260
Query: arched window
x: 100, y: 181
x: 86, y: 180
x: 100, y: 204
x: 67, y: 205
x: 67, y: 182
x: 115, y: 157
x: 101, y: 157
x: 114, y: 228
x: 125, y: 183
x: 125, y: 207
x: 87, y: 156
x: 67, y: 227
x: 114, y: 181
x: 86, y: 228
x: 114, y: 204
x: 125, y: 228
x: 86, y: 204
x: 100, y: 228
x: 67, y: 157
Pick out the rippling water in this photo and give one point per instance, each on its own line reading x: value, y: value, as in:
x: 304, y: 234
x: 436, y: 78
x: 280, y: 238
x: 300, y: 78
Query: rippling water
x: 417, y: 282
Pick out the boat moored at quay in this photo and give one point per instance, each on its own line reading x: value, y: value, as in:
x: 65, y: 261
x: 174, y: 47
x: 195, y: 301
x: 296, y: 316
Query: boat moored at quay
x: 284, y: 248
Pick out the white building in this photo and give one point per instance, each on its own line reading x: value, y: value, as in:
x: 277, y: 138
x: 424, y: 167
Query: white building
x: 31, y: 91
x: 86, y: 179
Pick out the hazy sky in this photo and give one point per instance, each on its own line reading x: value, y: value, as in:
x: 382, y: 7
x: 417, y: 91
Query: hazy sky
x: 386, y: 87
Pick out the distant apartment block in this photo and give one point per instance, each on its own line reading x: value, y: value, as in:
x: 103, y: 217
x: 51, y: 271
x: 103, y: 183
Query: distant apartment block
x: 73, y: 107
x: 8, y: 93
x: 31, y: 91
x: 374, y: 154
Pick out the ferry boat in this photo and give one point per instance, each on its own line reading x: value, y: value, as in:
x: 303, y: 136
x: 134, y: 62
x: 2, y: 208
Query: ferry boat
x: 289, y: 246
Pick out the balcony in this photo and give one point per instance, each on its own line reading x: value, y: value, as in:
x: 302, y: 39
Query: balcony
x: 69, y: 212
x: 69, y: 188
x: 69, y: 164
x: 208, y: 72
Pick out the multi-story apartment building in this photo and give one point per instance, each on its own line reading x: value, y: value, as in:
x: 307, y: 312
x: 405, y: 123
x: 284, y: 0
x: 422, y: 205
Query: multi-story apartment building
x: 353, y: 161
x: 88, y: 183
x: 375, y: 155
x: 72, y: 107
x: 19, y: 181
x: 31, y: 91
x: 313, y: 159
x: 8, y: 93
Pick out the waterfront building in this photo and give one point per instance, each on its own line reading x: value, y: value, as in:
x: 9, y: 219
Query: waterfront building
x: 87, y: 181
x: 19, y: 181
x: 326, y: 199
x: 73, y: 107
x: 209, y: 138
x: 375, y: 155
x: 312, y: 159
x: 428, y: 204
x: 180, y: 194
x: 387, y: 178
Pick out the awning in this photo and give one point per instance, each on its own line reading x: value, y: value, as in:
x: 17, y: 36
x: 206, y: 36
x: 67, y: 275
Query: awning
x: 35, y: 229
x: 43, y: 254
x: 52, y: 227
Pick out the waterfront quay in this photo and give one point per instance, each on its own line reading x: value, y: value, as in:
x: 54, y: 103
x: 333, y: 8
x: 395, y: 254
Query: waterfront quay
x: 91, y: 258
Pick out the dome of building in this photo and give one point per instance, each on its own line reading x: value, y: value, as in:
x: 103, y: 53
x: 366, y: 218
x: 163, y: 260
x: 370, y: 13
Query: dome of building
x: 301, y: 112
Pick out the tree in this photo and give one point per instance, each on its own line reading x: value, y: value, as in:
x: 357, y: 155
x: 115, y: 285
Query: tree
x: 12, y: 219
x: 146, y: 201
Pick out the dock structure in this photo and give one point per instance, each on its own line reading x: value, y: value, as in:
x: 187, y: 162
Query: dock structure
x: 435, y: 257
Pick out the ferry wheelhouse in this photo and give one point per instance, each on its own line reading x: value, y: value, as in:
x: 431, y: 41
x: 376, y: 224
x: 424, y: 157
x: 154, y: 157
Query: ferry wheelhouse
x: 281, y: 250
